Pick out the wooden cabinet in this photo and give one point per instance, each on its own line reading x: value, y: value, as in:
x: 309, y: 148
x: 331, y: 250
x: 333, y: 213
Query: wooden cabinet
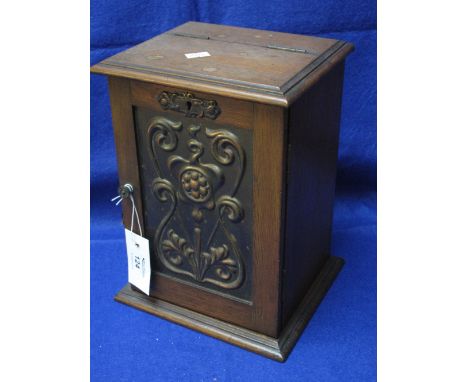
x: 229, y: 137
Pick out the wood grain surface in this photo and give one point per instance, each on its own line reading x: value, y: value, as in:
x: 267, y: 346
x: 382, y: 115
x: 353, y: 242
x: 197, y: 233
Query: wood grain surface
x: 262, y: 66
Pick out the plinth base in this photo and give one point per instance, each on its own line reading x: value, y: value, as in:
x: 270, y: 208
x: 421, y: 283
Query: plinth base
x: 274, y: 348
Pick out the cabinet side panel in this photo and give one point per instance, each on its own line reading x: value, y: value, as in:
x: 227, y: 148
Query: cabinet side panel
x: 312, y: 155
x: 268, y: 195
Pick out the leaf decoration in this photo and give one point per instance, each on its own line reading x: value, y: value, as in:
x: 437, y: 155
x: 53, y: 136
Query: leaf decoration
x: 216, y: 254
x: 176, y: 247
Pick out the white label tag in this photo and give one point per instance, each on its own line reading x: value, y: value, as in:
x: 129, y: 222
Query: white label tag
x: 139, y: 266
x: 197, y: 55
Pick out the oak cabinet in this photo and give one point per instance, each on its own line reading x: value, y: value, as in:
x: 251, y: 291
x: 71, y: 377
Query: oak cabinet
x: 229, y: 137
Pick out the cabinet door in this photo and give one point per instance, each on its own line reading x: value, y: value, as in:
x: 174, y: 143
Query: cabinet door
x: 208, y: 185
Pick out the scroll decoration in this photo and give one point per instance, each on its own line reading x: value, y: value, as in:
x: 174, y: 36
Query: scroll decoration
x: 207, y: 250
x: 189, y: 105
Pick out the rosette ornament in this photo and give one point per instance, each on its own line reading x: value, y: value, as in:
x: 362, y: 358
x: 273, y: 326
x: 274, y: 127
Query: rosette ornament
x: 197, y: 182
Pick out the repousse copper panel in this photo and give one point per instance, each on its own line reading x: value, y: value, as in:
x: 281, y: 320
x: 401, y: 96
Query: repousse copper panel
x: 196, y: 180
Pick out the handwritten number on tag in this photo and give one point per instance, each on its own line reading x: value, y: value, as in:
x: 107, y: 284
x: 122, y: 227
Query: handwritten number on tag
x: 137, y: 261
x: 139, y: 264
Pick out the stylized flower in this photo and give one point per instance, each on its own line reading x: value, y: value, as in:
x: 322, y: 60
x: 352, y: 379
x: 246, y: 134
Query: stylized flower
x: 197, y: 182
x: 195, y: 185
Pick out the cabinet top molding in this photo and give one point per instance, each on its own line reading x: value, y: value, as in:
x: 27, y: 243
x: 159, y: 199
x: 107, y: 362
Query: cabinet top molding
x: 249, y: 64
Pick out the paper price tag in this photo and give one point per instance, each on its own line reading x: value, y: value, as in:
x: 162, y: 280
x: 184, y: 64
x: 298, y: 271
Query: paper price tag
x: 139, y: 266
x: 197, y: 55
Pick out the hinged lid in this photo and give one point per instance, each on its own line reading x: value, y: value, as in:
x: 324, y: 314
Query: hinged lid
x: 265, y: 66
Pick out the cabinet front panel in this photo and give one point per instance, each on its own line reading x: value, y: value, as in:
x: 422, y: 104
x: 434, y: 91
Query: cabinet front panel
x: 209, y: 174
x: 196, y: 188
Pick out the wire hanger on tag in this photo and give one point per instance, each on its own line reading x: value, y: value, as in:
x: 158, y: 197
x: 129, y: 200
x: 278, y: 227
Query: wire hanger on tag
x: 135, y: 212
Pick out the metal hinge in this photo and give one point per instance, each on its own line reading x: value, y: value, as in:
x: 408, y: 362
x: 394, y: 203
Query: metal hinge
x: 278, y: 47
x: 191, y: 36
x: 289, y: 49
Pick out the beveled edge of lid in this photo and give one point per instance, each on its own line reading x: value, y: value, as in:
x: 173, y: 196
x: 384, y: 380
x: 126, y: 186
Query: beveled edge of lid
x: 284, y: 96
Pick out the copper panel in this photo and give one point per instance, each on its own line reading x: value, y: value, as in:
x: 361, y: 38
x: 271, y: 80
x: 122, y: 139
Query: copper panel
x: 196, y: 181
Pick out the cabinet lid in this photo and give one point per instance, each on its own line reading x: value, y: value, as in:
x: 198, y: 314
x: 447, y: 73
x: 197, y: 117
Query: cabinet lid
x: 269, y: 67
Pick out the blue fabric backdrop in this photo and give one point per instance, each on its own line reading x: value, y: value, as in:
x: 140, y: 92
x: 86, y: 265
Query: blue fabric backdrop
x: 339, y: 344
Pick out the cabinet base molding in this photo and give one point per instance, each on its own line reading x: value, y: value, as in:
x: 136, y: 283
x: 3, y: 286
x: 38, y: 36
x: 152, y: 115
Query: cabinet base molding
x: 277, y: 349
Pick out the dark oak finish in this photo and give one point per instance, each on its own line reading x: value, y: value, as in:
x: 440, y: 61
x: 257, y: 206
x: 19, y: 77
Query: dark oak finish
x: 314, y: 122
x: 235, y: 112
x: 124, y: 134
x: 269, y: 160
x: 262, y: 66
x: 244, y: 141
